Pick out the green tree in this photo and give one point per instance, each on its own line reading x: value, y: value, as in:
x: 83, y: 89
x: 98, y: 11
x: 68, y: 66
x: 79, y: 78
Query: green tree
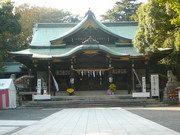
x: 122, y: 11
x: 30, y: 15
x: 173, y: 8
x: 154, y: 26
x: 9, y: 30
x: 159, y: 28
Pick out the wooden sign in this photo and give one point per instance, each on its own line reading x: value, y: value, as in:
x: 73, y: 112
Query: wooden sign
x: 144, y: 84
x: 155, y: 85
x: 38, y: 88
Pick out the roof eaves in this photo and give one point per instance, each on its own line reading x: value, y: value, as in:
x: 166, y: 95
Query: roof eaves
x: 82, y: 24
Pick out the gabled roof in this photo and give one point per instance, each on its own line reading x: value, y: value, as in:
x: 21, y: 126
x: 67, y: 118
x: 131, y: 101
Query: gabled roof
x: 13, y: 67
x: 116, y: 39
x: 88, y: 21
x: 62, y: 52
x: 45, y: 33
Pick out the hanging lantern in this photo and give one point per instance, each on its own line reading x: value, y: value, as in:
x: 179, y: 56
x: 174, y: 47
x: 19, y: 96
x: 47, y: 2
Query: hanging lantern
x: 109, y: 64
x: 110, y: 79
x: 72, y: 80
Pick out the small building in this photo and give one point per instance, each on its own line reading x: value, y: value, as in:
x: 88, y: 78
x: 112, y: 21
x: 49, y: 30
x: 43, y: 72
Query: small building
x: 16, y: 68
x: 7, y: 94
x: 88, y: 55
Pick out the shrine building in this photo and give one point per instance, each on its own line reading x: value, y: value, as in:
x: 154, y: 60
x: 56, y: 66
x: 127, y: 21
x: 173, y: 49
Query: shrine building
x: 88, y: 55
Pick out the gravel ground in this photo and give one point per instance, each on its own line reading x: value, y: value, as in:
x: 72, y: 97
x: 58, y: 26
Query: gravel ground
x: 169, y: 118
x: 26, y: 113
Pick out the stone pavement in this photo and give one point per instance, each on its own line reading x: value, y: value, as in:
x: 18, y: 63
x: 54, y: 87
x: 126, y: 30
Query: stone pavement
x: 10, y: 126
x: 95, y: 121
x: 166, y: 116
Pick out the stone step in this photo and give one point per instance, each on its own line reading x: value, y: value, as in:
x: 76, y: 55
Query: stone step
x: 69, y: 98
x: 94, y: 103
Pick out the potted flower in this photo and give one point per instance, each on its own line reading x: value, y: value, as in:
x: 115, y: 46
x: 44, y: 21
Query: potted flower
x: 112, y: 89
x: 70, y: 91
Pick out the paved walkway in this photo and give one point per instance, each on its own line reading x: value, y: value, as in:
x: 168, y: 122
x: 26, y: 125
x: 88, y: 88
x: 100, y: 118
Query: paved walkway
x: 95, y: 121
x: 10, y: 126
x: 166, y: 116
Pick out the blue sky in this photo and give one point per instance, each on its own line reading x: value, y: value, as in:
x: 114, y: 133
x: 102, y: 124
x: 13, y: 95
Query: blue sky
x: 78, y: 7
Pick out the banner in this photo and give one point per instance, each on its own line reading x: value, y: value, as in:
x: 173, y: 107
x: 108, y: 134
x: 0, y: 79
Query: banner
x: 134, y: 71
x: 55, y: 82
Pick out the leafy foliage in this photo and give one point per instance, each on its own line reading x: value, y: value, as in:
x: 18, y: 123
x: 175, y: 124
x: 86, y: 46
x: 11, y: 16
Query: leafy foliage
x: 16, y: 25
x: 30, y: 15
x: 156, y: 28
x: 173, y: 9
x: 122, y: 11
x: 159, y: 28
x: 9, y: 30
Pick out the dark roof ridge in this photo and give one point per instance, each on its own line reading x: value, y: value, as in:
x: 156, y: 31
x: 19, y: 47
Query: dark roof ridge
x: 107, y: 24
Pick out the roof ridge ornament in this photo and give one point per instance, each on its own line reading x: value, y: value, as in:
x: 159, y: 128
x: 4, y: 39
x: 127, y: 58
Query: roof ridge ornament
x: 90, y: 40
x: 89, y: 21
x: 89, y: 13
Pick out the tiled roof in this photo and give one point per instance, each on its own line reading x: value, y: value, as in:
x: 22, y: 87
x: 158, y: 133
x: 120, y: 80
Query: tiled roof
x: 43, y: 35
x: 68, y: 51
x: 46, y: 34
x: 12, y: 67
x: 89, y: 21
x: 46, y: 37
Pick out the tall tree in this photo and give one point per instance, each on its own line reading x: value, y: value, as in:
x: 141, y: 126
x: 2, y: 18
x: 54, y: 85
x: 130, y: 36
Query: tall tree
x: 9, y: 30
x: 158, y: 28
x: 173, y: 8
x: 122, y: 11
x: 155, y: 27
x: 30, y: 15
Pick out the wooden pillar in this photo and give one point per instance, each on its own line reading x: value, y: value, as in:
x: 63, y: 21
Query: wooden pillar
x: 49, y: 80
x: 129, y: 79
x: 132, y: 75
x: 147, y: 73
x: 34, y: 71
x: 30, y: 81
x: 33, y: 81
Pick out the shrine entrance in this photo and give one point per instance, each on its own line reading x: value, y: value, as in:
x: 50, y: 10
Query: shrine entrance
x: 91, y: 70
x: 87, y: 82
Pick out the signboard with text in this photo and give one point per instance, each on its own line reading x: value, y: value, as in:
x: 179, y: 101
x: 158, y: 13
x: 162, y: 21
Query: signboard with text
x: 38, y: 86
x: 143, y: 84
x: 155, y: 85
